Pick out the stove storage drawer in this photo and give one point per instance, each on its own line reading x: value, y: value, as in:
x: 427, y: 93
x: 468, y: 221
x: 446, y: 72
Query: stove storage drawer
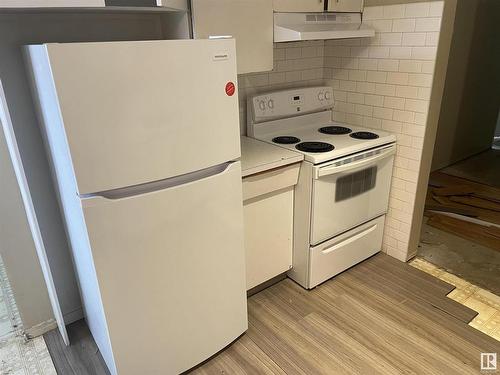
x: 350, y: 191
x: 344, y: 251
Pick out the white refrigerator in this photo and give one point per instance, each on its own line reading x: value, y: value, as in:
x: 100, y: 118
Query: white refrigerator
x: 143, y: 138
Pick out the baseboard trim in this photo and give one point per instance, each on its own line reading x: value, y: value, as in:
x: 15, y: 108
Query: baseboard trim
x: 40, y: 328
x: 73, y: 316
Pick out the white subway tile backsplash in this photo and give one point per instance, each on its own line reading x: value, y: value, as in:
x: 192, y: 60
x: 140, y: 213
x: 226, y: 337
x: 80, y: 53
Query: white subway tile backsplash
x: 420, y: 79
x: 384, y: 89
x: 415, y: 10
x: 340, y: 95
x: 432, y: 39
x: 394, y: 11
x: 410, y: 66
x: 357, y: 75
x: 354, y: 119
x: 373, y: 13
x: 436, y: 9
x: 404, y: 25
x: 390, y: 39
x: 428, y: 66
x: 372, y: 122
x: 424, y: 93
x: 393, y: 102
x: 407, y: 92
x: 397, y: 78
x: 349, y: 63
x: 378, y: 52
x: 423, y: 53
x: 400, y: 52
x: 381, y: 25
x: 404, y: 116
x: 309, y: 52
x: 428, y: 24
x: 374, y: 100
x: 359, y: 52
x: 354, y: 97
x: 366, y: 87
x: 363, y: 110
x: 383, y: 113
x: 376, y: 76
x: 392, y: 126
x: 275, y: 78
x: 414, y: 39
x: 348, y: 85
x: 293, y: 76
x: 368, y: 64
x: 388, y: 65
x: 293, y: 53
x: 417, y: 105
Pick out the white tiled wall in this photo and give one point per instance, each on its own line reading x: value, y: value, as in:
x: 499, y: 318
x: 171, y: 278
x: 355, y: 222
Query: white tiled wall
x: 385, y: 83
x: 295, y: 64
x: 381, y: 83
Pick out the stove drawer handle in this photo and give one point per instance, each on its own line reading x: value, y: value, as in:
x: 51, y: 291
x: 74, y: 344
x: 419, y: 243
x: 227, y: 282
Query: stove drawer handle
x: 326, y: 171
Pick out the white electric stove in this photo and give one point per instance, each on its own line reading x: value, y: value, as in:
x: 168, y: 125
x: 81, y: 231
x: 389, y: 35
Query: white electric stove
x: 343, y: 190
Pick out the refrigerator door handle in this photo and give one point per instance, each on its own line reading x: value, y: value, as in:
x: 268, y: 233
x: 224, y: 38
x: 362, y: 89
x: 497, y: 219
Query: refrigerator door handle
x: 131, y: 191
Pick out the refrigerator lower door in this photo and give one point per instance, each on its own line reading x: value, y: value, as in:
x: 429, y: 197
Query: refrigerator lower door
x: 171, y: 271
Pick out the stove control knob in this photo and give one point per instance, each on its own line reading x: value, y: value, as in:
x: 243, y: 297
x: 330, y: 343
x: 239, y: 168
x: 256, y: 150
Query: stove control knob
x: 262, y: 105
x: 321, y: 96
x: 270, y: 103
x: 327, y: 95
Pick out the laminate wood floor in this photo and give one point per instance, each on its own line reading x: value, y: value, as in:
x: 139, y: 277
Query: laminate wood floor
x: 380, y: 317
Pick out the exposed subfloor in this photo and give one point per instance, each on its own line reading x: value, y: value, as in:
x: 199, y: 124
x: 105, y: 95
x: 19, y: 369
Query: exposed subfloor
x: 470, y: 261
x: 380, y: 317
x: 485, y: 303
x: 483, y: 168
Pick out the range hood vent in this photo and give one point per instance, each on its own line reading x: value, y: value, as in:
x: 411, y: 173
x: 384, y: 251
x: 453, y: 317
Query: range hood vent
x: 289, y: 27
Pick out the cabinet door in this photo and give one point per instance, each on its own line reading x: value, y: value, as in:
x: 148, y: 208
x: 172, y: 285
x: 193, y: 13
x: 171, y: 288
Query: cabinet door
x: 298, y: 5
x: 250, y: 22
x: 345, y: 5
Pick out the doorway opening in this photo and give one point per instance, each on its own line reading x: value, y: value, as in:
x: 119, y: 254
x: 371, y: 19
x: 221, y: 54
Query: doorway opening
x: 461, y: 227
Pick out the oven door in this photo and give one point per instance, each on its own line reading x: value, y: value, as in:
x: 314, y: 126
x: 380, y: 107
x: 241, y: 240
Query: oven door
x: 350, y: 191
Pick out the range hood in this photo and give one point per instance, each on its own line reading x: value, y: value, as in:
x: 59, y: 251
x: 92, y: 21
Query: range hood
x: 289, y: 27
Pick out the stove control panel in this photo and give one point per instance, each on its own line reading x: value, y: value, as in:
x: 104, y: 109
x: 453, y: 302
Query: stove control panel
x: 288, y: 103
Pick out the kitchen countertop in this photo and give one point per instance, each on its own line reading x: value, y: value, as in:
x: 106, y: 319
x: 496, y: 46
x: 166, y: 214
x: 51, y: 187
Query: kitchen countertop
x: 258, y: 156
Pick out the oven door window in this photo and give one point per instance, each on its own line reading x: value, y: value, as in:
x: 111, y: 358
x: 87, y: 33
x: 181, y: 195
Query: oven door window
x: 355, y: 183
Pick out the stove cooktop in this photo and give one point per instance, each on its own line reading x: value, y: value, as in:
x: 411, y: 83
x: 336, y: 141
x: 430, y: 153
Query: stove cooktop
x: 286, y: 140
x: 327, y: 141
x: 335, y: 130
x: 364, y: 135
x: 314, y: 147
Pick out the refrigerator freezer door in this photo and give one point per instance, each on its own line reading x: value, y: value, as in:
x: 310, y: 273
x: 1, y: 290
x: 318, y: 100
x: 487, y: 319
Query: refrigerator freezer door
x: 170, y: 265
x: 136, y: 112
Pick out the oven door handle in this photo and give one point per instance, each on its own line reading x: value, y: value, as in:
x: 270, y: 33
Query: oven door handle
x: 325, y: 171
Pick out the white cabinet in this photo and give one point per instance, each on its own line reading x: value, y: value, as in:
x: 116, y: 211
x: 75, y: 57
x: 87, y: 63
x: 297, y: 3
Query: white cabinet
x: 345, y: 5
x: 268, y: 219
x: 299, y: 5
x: 250, y: 22
x: 51, y: 3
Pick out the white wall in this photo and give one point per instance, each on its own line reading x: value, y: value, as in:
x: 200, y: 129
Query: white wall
x: 471, y: 98
x: 15, y: 31
x: 18, y: 249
